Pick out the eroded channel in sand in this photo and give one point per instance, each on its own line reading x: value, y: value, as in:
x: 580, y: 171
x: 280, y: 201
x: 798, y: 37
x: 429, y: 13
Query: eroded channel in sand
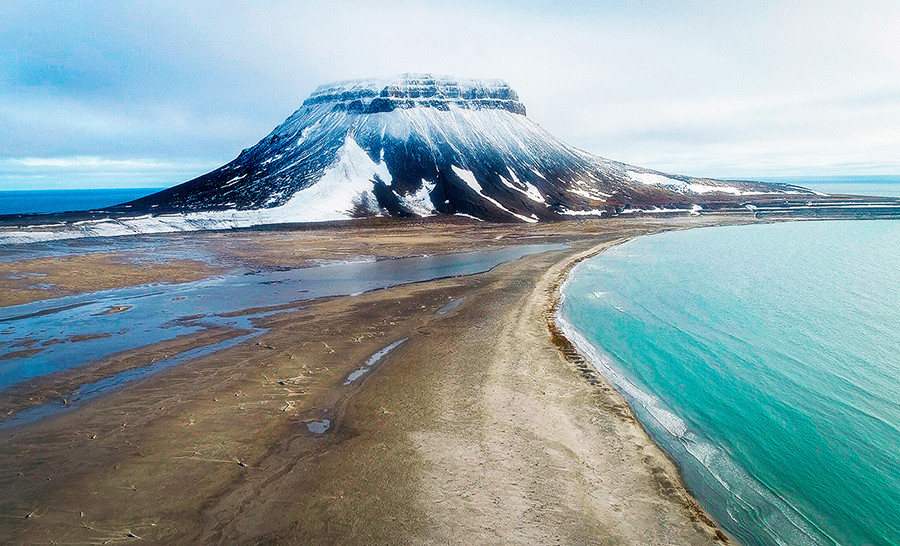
x: 373, y: 361
x: 158, y: 312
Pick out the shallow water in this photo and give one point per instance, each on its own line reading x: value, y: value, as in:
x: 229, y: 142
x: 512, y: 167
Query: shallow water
x: 450, y: 306
x: 764, y: 360
x: 372, y: 362
x: 75, y: 330
x: 319, y: 427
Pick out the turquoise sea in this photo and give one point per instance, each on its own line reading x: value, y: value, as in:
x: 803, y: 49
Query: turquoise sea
x: 765, y: 360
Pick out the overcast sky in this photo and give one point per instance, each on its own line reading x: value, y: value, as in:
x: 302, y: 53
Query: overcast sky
x: 153, y: 93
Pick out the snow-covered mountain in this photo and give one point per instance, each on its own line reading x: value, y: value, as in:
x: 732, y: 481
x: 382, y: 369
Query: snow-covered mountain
x: 419, y: 145
x: 414, y: 146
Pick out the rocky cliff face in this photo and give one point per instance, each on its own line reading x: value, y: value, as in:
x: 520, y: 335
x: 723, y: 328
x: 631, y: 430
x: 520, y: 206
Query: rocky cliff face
x: 420, y: 145
x: 418, y: 90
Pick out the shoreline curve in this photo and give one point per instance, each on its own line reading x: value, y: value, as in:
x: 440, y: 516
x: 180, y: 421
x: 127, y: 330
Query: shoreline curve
x: 573, y: 356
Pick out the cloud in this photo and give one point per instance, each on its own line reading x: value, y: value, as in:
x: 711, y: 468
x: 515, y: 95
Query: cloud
x: 720, y: 89
x: 87, y: 162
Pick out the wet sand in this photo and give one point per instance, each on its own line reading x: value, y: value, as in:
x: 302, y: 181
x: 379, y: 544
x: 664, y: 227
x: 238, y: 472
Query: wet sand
x: 483, y: 426
x: 43, y: 278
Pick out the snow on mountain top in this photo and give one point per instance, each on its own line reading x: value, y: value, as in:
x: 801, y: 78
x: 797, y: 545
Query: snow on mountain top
x: 417, y: 90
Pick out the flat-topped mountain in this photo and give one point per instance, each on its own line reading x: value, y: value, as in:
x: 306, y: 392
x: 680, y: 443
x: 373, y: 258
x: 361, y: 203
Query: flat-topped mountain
x: 424, y: 146
x: 419, y: 145
x: 417, y: 90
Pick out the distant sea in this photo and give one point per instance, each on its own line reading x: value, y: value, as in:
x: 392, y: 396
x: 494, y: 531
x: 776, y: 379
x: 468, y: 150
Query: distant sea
x: 879, y: 186
x: 43, y: 201
x: 764, y: 359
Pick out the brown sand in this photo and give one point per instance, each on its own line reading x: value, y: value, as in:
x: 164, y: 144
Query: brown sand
x: 483, y: 427
x: 63, y: 276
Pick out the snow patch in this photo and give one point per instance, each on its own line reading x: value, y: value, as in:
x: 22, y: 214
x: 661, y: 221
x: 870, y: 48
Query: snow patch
x: 271, y: 159
x: 234, y: 180
x: 694, y: 210
x: 304, y: 134
x: 530, y: 191
x: 464, y: 215
x: 594, y: 212
x: 469, y: 178
x: 653, y: 179
x: 588, y: 194
x: 419, y: 203
x: 348, y: 181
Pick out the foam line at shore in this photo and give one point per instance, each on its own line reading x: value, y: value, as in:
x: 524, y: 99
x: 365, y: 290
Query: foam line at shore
x: 703, y: 465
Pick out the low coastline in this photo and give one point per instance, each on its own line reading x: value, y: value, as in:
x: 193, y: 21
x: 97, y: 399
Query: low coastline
x: 595, y: 377
x: 422, y: 410
x: 672, y: 382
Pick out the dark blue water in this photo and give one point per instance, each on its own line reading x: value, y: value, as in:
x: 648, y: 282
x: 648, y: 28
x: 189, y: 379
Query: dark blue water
x: 44, y: 201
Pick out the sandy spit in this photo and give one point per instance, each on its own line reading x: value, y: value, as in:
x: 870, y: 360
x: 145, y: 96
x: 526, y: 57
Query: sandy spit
x: 484, y: 426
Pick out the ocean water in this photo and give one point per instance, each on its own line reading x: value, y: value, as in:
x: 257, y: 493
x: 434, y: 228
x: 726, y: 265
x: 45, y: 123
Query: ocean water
x: 878, y: 186
x: 765, y: 360
x: 45, y: 201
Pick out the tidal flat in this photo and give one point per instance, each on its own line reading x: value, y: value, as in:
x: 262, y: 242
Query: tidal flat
x: 482, y: 425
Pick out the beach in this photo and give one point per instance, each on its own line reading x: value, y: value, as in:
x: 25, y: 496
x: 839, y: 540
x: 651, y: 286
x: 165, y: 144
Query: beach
x: 480, y: 424
x: 777, y: 404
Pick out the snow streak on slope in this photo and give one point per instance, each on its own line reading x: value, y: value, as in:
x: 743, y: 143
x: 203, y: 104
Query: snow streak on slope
x: 470, y: 181
x: 344, y: 188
